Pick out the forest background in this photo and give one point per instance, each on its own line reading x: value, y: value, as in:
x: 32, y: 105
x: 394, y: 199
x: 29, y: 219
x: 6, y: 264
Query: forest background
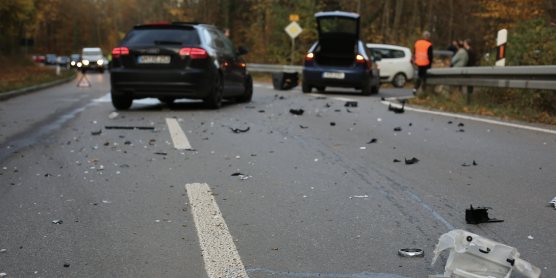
x: 64, y: 27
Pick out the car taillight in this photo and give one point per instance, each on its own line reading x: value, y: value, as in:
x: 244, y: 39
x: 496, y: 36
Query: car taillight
x: 360, y: 58
x: 309, y: 57
x: 120, y: 51
x: 411, y: 60
x: 194, y: 53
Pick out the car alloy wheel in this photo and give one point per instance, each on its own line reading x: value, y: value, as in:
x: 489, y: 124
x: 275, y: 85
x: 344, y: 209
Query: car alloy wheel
x: 214, y: 100
x: 399, y: 80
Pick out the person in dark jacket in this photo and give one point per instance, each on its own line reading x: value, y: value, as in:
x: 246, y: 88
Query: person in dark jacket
x: 423, y: 60
x: 453, y: 47
x: 472, y: 62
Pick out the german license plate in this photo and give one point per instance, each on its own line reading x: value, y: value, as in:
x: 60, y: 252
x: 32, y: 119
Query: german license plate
x: 153, y: 59
x: 335, y: 75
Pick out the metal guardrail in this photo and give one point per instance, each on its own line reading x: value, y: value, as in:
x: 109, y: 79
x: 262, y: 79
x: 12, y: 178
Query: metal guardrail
x: 274, y: 68
x: 443, y: 52
x: 520, y: 77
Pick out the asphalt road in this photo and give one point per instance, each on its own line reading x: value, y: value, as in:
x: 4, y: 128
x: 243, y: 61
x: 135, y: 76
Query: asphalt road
x: 126, y: 211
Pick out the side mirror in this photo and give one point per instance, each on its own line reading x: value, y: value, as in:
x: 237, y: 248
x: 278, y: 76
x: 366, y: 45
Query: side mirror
x: 377, y: 58
x: 242, y: 50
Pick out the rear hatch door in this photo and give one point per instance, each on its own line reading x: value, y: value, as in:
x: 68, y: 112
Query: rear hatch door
x: 338, y: 25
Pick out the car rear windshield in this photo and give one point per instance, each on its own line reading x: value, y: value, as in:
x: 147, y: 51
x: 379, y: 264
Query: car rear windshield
x: 337, y: 24
x: 161, y: 37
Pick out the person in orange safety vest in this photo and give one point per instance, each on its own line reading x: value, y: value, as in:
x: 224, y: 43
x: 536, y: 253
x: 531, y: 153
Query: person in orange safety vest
x: 423, y: 60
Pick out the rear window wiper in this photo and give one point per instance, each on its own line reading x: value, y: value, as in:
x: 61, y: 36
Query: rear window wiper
x: 167, y: 42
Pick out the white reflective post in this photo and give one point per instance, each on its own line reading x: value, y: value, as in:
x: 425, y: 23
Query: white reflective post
x: 501, y: 47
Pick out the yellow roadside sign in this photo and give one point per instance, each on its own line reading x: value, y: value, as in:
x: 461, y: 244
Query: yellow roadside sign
x: 294, y: 17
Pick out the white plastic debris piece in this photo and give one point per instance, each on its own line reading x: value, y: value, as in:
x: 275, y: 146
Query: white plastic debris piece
x: 2, y: 250
x: 361, y: 196
x: 379, y: 120
x: 474, y: 256
x: 363, y: 148
x: 157, y: 220
x: 530, y: 237
x: 106, y: 201
x: 553, y: 202
x: 2, y: 274
x: 316, y: 159
x: 113, y: 115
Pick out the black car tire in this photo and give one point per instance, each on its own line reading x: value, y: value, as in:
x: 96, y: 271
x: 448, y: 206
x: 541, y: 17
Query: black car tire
x: 399, y: 80
x: 167, y: 100
x: 214, y: 99
x: 305, y: 88
x: 321, y: 89
x: 375, y: 89
x: 121, y: 103
x: 367, y: 90
x: 248, y: 95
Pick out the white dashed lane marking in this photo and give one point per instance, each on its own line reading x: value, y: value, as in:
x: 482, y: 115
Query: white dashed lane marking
x: 219, y: 252
x: 179, y: 138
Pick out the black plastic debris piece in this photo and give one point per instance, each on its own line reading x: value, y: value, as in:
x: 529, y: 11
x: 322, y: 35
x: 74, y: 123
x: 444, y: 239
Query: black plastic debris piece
x: 390, y: 108
x: 161, y: 153
x: 130, y: 127
x: 398, y: 110
x: 327, y: 105
x: 124, y: 166
x: 250, y: 107
x: 372, y: 141
x: 397, y: 129
x: 297, y: 111
x: 303, y: 126
x: 332, y: 123
x: 127, y: 143
x: 351, y: 104
x: 57, y: 222
x: 191, y: 150
x: 253, y: 155
x: 465, y: 164
x: 320, y: 98
x: 474, y: 163
x: 237, y: 130
x: 337, y: 110
x: 121, y: 136
x: 411, y: 161
x: 449, y: 122
x: 478, y: 215
x: 382, y: 98
x: 96, y: 132
x: 349, y: 111
x: 460, y: 130
x: 460, y: 124
x: 395, y: 160
x: 66, y: 265
x: 94, y: 204
x: 236, y: 174
x: 48, y: 175
x: 410, y: 124
x: 151, y: 142
x: 261, y: 111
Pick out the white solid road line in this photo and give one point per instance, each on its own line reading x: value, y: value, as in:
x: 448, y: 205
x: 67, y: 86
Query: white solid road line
x: 219, y: 251
x: 459, y: 116
x: 179, y: 138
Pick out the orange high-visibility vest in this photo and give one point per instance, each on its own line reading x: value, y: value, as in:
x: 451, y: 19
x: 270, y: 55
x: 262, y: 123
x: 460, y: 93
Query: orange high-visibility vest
x: 421, y: 53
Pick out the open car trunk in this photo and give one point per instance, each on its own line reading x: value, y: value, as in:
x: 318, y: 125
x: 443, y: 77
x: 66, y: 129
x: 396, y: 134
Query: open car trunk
x: 336, y: 53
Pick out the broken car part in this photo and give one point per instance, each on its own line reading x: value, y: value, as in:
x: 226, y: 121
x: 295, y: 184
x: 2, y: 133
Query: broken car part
x: 372, y: 141
x: 395, y: 160
x: 465, y: 164
x: 332, y: 123
x: 130, y: 127
x: 461, y: 124
x: 478, y: 215
x: 411, y: 252
x: 411, y: 161
x: 96, y: 132
x: 297, y: 111
x: 474, y: 256
x: 397, y: 129
x: 161, y: 153
x: 237, y: 130
x: 303, y: 126
x: 57, y: 222
x: 351, y: 104
x: 553, y: 202
x: 474, y: 163
x: 237, y: 174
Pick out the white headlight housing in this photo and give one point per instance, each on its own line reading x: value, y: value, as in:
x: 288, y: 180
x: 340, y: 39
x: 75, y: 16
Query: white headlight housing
x: 73, y: 63
x: 86, y: 62
x: 100, y: 62
x: 79, y: 64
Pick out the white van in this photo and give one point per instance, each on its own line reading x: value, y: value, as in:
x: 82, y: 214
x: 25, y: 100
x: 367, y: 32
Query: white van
x: 396, y: 65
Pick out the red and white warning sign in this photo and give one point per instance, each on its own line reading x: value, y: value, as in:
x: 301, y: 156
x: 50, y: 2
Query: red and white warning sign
x: 84, y: 82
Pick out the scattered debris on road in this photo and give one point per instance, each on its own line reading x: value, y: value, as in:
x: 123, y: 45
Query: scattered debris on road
x: 113, y: 115
x: 57, y: 222
x: 130, y: 127
x: 320, y: 98
x: 303, y: 126
x: 475, y: 256
x: 96, y: 132
x: 66, y: 265
x: 360, y: 196
x: 465, y: 164
x: 372, y: 141
x: 332, y: 123
x: 273, y: 248
x: 449, y: 122
x: 411, y: 253
x: 237, y: 130
x: 474, y: 163
x: 362, y: 148
x: 395, y: 160
x: 460, y: 130
x: 411, y: 161
x: 461, y: 124
x: 2, y: 250
x: 250, y: 107
x: 161, y: 153
x: 530, y: 237
x: 553, y: 202
x: 397, y: 129
x: 261, y: 111
x: 479, y: 215
x: 237, y: 174
x: 351, y: 104
x: 297, y: 111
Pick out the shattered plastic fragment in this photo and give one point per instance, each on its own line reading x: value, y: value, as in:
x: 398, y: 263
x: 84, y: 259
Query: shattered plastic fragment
x: 530, y: 237
x: 398, y: 129
x: 395, y: 160
x: 460, y: 130
x: 363, y: 148
x: 127, y: 143
x: 261, y: 111
x: 130, y: 127
x: 237, y: 174
x: 479, y: 215
x: 332, y: 123
x: 237, y: 130
x: 465, y: 164
x: 48, y: 175
x: 361, y: 196
x: 161, y: 153
x: 411, y: 161
x: 450, y: 122
x: 351, y: 104
x: 2, y: 274
x: 66, y: 265
x: 2, y: 250
x: 113, y: 115
x: 297, y: 111
x: 411, y: 253
x: 474, y: 164
x: 106, y: 202
x: 96, y: 132
x: 460, y: 124
x: 303, y: 126
x: 474, y: 256
x: 57, y: 222
x: 250, y: 107
x: 553, y: 202
x: 372, y: 141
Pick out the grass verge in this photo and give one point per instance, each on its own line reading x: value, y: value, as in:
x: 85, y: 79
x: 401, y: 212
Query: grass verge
x: 19, y: 73
x: 532, y: 106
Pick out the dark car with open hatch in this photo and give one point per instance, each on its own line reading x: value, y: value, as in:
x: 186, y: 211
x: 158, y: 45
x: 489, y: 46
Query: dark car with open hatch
x: 339, y: 58
x: 173, y: 60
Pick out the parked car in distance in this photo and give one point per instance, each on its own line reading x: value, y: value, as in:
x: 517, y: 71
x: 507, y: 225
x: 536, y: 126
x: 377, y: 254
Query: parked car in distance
x: 38, y: 58
x: 173, y: 60
x: 75, y: 58
x: 339, y: 58
x: 396, y: 63
x: 64, y: 61
x: 51, y: 59
x: 91, y: 59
